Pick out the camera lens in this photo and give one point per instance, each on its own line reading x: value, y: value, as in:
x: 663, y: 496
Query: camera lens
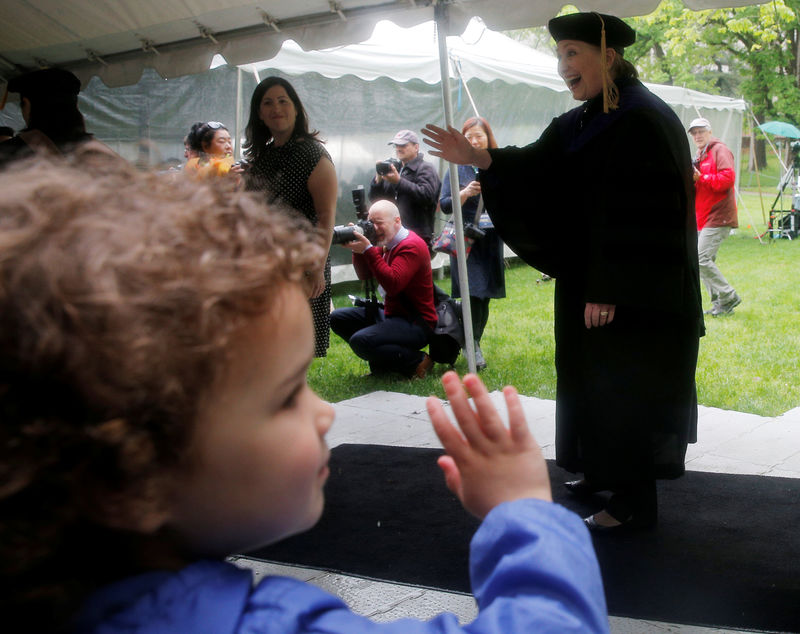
x: 342, y: 234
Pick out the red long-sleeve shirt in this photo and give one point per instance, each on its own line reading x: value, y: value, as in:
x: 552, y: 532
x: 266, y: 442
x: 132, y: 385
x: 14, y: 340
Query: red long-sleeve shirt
x: 405, y: 274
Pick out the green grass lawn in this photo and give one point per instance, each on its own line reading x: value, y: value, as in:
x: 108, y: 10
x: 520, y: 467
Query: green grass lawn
x: 749, y: 361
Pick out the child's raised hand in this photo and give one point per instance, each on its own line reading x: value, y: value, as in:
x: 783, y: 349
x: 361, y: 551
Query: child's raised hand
x: 487, y: 464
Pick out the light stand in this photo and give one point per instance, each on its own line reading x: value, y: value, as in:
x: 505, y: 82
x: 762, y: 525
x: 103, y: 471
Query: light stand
x: 786, y: 223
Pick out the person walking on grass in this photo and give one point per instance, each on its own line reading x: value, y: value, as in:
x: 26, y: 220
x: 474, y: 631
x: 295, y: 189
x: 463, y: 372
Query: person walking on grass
x: 715, y: 208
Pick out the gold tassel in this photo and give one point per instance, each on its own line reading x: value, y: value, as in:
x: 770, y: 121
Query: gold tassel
x: 610, y: 91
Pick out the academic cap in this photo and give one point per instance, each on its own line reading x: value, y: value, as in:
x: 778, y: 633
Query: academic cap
x: 587, y: 27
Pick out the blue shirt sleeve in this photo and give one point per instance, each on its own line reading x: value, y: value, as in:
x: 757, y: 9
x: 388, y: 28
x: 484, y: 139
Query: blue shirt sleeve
x: 532, y: 566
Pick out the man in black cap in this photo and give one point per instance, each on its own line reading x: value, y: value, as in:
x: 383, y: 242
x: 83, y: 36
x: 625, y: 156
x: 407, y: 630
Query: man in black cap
x: 604, y: 203
x: 49, y: 104
x: 414, y: 188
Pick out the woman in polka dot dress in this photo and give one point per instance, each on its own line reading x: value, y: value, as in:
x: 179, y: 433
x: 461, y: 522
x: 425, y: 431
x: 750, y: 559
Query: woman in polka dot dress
x: 289, y: 164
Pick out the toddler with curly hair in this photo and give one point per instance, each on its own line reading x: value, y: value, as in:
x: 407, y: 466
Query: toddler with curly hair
x: 155, y: 417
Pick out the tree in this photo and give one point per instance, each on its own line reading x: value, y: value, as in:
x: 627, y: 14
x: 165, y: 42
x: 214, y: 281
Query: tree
x: 748, y: 51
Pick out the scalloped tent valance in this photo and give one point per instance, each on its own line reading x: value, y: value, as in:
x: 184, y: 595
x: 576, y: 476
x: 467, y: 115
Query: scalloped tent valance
x: 117, y: 39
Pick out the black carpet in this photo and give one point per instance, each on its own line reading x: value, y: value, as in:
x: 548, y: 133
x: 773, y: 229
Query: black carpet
x: 726, y: 552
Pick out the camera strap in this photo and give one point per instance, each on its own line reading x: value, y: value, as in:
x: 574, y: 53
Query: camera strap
x: 372, y: 308
x: 479, y: 211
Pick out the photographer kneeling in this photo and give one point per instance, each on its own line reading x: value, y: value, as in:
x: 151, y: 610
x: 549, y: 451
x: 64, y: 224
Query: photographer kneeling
x: 400, y: 263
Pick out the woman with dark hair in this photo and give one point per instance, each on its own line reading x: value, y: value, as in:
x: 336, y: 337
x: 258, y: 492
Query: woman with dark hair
x: 191, y: 144
x: 214, y: 152
x: 288, y: 163
x: 603, y: 201
x: 485, y: 260
x: 49, y: 104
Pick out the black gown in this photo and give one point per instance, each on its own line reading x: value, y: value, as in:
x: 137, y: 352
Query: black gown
x: 604, y: 203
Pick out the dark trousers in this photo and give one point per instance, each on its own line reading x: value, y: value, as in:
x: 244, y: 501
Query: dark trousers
x: 479, y: 311
x: 393, y: 344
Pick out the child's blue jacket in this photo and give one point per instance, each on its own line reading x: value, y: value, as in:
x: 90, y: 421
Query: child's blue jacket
x: 532, y: 567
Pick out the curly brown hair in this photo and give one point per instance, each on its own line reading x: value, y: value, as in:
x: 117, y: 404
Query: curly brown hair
x: 119, y: 295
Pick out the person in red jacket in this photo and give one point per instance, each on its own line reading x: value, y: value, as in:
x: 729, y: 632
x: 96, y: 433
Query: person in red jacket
x: 401, y: 265
x: 715, y: 208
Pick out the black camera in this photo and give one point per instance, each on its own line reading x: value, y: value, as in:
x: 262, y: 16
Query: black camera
x: 363, y: 302
x: 384, y: 167
x: 473, y: 232
x: 372, y: 307
x: 343, y: 234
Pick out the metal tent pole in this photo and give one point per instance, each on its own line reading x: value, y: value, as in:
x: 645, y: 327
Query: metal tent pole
x: 441, y: 18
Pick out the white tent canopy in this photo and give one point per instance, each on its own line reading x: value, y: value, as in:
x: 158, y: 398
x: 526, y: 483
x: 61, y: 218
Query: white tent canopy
x: 410, y: 53
x: 407, y: 53
x: 483, y: 57
x: 117, y: 39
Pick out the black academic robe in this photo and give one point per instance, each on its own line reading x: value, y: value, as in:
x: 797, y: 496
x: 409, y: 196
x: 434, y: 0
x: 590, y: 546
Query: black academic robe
x: 604, y: 203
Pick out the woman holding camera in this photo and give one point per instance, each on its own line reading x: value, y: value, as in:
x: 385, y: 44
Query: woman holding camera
x: 289, y: 164
x: 612, y: 219
x: 485, y: 265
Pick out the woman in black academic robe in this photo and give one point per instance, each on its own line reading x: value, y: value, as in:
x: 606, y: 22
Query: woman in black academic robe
x: 603, y: 202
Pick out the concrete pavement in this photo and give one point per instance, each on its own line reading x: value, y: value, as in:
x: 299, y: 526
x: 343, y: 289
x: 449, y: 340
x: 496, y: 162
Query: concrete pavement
x: 728, y: 442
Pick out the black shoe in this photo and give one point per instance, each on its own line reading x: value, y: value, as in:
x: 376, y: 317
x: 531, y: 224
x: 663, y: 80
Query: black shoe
x: 594, y: 527
x: 581, y: 488
x: 630, y: 524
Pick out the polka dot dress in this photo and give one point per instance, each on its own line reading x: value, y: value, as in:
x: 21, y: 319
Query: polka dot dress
x: 282, y: 173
